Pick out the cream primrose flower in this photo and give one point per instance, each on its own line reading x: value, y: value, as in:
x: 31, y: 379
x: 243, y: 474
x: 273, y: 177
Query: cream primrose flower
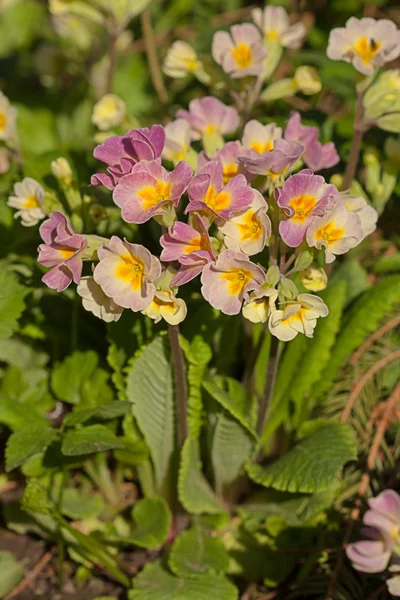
x: 366, y: 43
x: 8, y: 116
x: 109, y: 112
x: 299, y: 316
x: 336, y: 232
x: 260, y: 305
x: 313, y: 279
x: 260, y: 138
x: 165, y: 305
x: 273, y: 21
x: 28, y: 199
x: 177, y: 141
x: 367, y: 214
x: 307, y: 80
x: 181, y: 60
x: 249, y: 230
x: 94, y: 300
x: 62, y: 170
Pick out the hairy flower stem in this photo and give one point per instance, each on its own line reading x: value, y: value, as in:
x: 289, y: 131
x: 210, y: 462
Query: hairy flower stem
x: 356, y: 144
x: 269, y: 384
x: 180, y: 383
x: 152, y: 57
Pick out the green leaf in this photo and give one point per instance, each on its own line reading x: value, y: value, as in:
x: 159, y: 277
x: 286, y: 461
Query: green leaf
x: 19, y: 25
x: 195, y: 493
x: 385, y: 264
x: 155, y: 583
x: 312, y: 464
x: 88, y: 440
x: 27, y: 442
x: 11, y: 573
x: 229, y: 403
x: 153, y: 521
x: 78, y: 506
x: 364, y: 318
x: 30, y: 120
x: 104, y: 413
x: 198, y: 354
x: 231, y: 448
x: 150, y: 389
x: 196, y: 553
x: 317, y: 350
x: 12, y: 295
x: 355, y: 276
x: 15, y: 415
x: 35, y: 499
x: 69, y: 377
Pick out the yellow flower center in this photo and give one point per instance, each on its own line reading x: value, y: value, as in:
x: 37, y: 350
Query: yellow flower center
x: 237, y: 279
x: 131, y: 269
x: 215, y: 201
x: 66, y: 253
x: 329, y: 233
x: 230, y: 170
x: 31, y: 202
x: 211, y: 129
x: 243, y: 56
x: 261, y: 148
x: 197, y: 243
x: 170, y: 306
x: 3, y: 121
x: 191, y: 65
x: 302, y: 206
x: 272, y: 35
x: 250, y: 228
x: 153, y: 195
x: 366, y: 49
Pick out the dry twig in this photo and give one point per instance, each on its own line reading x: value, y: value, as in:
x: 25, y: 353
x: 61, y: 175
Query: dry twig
x: 31, y: 576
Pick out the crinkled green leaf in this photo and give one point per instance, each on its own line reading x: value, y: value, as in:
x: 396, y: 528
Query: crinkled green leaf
x: 88, y: 440
x: 25, y: 442
x: 153, y: 520
x: 195, y: 493
x: 104, y: 413
x: 150, y: 390
x: 156, y: 583
x: 196, y: 553
x: 312, y: 465
x: 12, y: 295
x: 69, y: 377
x: 232, y: 446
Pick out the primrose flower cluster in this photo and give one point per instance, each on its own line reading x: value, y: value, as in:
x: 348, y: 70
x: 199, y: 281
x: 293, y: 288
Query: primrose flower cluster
x: 240, y: 204
x: 227, y: 221
x: 382, y: 548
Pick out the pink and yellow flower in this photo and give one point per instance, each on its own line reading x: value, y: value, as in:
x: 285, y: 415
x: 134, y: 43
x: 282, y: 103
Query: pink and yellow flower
x: 150, y: 190
x: 126, y: 273
x: 366, y: 43
x: 62, y: 250
x: 317, y: 156
x: 302, y: 197
x: 383, y: 530
x: 228, y: 157
x: 207, y: 192
x: 336, y: 232
x: 165, y: 305
x: 299, y: 316
x: 227, y: 282
x: 94, y: 300
x: 248, y: 231
x: 240, y: 52
x: 273, y: 21
x: 190, y: 246
x: 260, y: 305
x: 210, y: 116
x: 260, y: 138
x: 275, y: 163
x: 121, y: 152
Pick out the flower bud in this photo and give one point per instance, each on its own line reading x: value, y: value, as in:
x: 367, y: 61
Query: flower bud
x: 62, y: 170
x: 307, y: 80
x: 280, y: 89
x: 314, y: 279
x: 181, y: 60
x: 109, y: 112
